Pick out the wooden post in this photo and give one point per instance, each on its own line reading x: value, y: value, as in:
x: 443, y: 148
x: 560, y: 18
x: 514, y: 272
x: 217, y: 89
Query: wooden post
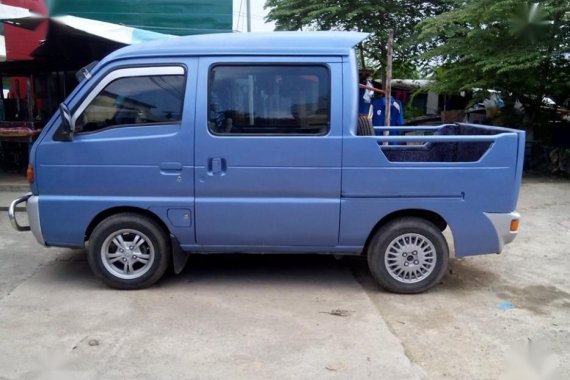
x: 388, y: 84
x: 362, y: 63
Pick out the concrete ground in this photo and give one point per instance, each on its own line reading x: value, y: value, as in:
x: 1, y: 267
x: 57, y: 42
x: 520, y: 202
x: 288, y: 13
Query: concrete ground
x: 230, y: 317
x: 493, y: 317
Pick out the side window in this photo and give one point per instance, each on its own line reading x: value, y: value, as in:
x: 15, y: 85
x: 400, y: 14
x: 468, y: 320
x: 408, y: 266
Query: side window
x: 269, y: 100
x: 138, y: 100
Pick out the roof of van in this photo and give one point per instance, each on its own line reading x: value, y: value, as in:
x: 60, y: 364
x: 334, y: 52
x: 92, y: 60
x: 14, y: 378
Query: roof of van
x: 274, y: 43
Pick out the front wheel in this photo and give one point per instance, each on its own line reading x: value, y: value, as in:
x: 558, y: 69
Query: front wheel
x: 408, y: 255
x: 128, y: 251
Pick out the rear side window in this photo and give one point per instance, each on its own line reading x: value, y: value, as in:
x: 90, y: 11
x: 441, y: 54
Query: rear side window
x: 138, y: 100
x: 269, y: 100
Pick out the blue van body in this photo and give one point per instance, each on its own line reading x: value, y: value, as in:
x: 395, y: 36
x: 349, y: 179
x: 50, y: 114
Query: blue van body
x: 270, y: 193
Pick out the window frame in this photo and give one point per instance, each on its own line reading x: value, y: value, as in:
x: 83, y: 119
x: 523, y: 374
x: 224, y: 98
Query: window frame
x: 130, y: 72
x: 269, y: 64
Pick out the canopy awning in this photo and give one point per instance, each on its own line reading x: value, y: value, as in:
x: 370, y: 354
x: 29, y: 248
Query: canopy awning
x: 23, y: 18
x: 112, y: 32
x: 20, y: 17
x: 67, y: 43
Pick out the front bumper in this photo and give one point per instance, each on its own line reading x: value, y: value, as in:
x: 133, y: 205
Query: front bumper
x: 32, y: 207
x: 502, y: 223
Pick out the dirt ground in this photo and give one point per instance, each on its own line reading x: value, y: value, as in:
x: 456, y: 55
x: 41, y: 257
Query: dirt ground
x: 495, y: 316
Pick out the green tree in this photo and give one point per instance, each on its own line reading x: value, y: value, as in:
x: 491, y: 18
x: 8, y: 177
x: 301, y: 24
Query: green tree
x: 518, y: 48
x: 374, y: 16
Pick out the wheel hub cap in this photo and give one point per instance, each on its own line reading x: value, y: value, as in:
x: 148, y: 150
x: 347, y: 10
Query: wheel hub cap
x: 127, y: 254
x: 410, y: 258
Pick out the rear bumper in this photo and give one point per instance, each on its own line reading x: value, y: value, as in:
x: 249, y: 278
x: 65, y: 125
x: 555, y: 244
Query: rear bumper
x: 502, y: 224
x: 32, y: 207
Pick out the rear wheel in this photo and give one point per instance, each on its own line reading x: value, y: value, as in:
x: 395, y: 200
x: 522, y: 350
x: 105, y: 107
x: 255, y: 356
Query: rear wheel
x: 128, y: 251
x: 408, y: 255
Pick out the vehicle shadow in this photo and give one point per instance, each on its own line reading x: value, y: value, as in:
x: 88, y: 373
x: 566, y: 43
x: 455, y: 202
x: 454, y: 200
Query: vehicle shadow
x: 262, y: 270
x: 71, y: 267
x: 224, y: 270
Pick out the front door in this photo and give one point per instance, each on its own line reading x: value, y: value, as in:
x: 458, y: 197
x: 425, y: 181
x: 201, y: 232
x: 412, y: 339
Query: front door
x: 132, y: 148
x: 268, y: 153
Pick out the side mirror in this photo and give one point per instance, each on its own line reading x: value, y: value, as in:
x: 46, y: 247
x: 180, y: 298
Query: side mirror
x: 67, y: 126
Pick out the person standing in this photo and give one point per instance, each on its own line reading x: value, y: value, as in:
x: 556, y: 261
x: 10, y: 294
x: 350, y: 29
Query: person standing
x: 396, y: 114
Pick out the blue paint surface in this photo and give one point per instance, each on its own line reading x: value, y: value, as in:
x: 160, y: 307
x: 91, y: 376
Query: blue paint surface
x: 302, y: 193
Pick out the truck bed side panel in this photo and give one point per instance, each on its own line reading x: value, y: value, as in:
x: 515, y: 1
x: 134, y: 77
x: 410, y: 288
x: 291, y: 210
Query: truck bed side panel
x: 460, y: 192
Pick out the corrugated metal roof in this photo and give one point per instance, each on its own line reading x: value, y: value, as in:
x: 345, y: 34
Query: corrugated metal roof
x: 275, y: 43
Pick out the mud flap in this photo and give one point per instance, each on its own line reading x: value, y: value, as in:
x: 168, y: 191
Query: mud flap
x: 179, y: 257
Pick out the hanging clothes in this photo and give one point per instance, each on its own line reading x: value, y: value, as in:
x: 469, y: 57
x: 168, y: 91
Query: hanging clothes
x: 365, y: 98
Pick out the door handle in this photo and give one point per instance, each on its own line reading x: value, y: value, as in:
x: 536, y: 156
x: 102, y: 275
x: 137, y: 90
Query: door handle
x: 217, y: 165
x: 171, y: 167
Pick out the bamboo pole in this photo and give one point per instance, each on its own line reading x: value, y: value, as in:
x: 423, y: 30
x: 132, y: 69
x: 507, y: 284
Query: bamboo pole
x: 362, y: 63
x: 388, y: 84
x: 248, y: 16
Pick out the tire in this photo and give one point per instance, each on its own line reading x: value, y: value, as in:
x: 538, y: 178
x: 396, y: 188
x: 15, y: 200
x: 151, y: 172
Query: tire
x: 408, y: 255
x: 128, y: 251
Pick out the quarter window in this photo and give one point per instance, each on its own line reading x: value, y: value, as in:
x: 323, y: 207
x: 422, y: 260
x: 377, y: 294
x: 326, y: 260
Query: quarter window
x: 269, y: 100
x: 140, y: 100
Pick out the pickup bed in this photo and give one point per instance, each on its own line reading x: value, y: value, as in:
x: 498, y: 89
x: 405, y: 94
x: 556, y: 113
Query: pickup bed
x: 251, y: 143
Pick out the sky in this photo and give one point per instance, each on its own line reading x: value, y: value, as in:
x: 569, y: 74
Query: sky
x: 258, y: 14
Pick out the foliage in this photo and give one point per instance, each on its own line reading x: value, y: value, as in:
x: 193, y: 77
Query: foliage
x: 518, y: 48
x: 521, y: 49
x: 412, y: 111
x: 374, y: 16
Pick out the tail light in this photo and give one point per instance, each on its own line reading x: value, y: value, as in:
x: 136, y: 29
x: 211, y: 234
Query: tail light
x: 30, y: 174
